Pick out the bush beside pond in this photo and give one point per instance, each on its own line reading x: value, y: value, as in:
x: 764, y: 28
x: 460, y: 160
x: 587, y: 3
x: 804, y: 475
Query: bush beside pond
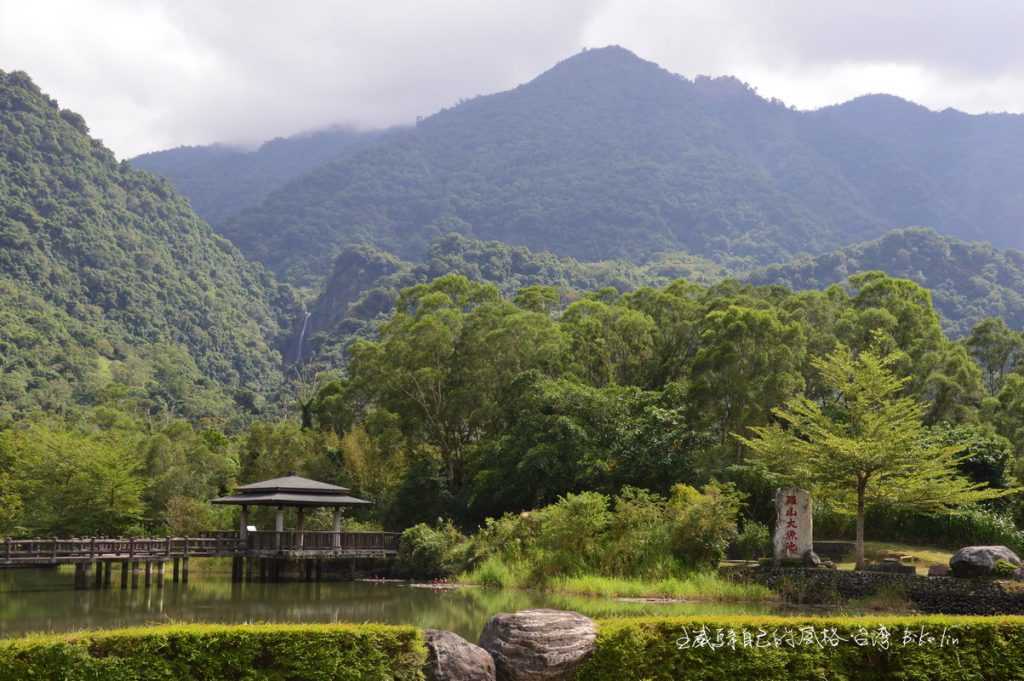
x: 211, y: 652
x: 985, y: 649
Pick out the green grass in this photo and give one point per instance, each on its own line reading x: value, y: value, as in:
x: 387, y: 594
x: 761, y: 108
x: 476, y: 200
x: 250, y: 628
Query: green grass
x: 925, y: 556
x: 704, y: 586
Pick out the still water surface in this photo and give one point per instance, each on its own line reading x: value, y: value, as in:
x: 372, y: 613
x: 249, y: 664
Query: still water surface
x: 44, y: 600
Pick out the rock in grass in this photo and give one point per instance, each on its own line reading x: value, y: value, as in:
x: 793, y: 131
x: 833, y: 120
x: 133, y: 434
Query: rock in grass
x: 452, y: 658
x: 538, y: 645
x: 980, y: 561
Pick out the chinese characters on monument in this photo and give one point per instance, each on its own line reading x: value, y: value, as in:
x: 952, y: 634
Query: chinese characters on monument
x: 794, y: 524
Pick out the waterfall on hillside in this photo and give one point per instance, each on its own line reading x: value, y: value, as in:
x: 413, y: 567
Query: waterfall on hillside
x: 302, y: 338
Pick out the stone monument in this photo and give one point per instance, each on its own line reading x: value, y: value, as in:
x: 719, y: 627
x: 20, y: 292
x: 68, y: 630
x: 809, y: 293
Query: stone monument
x: 794, y: 524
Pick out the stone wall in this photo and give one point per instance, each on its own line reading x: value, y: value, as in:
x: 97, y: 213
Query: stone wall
x: 947, y: 595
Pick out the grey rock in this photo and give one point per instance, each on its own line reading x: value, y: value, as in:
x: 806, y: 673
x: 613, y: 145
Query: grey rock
x: 452, y: 658
x: 938, y: 571
x: 538, y: 645
x: 811, y: 559
x: 980, y: 561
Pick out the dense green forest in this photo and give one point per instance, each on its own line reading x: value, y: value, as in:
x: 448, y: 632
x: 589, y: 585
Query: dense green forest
x: 111, y: 284
x: 470, y: 404
x: 365, y: 283
x: 220, y: 181
x: 968, y: 281
x: 147, y: 366
x: 609, y: 156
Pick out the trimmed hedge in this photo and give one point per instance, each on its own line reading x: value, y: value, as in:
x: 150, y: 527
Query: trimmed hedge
x: 675, y: 649
x: 215, y: 653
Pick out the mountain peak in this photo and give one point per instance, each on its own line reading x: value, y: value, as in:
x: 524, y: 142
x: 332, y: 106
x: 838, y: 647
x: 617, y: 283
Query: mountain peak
x: 880, y: 103
x: 612, y: 62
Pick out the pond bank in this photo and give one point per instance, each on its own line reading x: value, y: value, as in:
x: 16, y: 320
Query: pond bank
x: 941, y: 595
x: 702, y: 587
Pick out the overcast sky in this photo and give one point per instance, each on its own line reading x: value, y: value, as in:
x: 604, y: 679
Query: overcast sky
x: 152, y: 74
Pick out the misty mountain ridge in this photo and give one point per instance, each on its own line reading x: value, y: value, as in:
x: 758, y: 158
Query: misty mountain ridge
x: 221, y: 180
x: 606, y: 155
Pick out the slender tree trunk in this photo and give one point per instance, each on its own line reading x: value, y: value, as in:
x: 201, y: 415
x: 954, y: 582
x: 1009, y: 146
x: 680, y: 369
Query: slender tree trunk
x: 860, y: 525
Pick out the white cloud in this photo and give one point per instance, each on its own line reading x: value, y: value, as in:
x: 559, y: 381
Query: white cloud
x: 149, y: 74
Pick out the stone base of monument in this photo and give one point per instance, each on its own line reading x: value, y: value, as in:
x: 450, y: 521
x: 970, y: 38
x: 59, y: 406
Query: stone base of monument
x: 940, y: 595
x: 891, y: 565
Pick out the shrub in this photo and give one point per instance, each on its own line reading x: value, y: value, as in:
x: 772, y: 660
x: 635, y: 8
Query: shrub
x: 639, y: 541
x: 427, y: 552
x: 213, y: 652
x: 492, y: 572
x: 673, y: 649
x: 754, y: 541
x: 703, y: 523
x: 571, y: 534
x: 641, y: 535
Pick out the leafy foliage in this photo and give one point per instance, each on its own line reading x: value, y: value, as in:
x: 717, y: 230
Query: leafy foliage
x: 864, y: 445
x: 648, y: 649
x: 101, y: 265
x: 635, y: 534
x: 340, y: 652
x: 968, y: 281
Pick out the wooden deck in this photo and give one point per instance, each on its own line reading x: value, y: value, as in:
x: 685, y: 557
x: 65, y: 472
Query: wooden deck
x: 18, y: 552
x: 260, y: 553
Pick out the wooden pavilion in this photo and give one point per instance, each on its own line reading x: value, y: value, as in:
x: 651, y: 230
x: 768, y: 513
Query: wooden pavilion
x: 290, y: 491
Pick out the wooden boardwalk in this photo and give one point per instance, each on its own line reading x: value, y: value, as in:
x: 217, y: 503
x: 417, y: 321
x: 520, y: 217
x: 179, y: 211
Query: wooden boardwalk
x: 260, y: 553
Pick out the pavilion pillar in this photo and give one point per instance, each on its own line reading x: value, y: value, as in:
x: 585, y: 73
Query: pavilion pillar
x: 301, y: 526
x: 336, y: 539
x: 278, y: 527
x: 243, y: 526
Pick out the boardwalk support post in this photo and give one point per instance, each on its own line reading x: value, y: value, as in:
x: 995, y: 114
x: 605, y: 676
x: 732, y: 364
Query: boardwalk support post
x: 80, y: 576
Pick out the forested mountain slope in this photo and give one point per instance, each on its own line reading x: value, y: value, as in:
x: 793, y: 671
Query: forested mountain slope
x: 968, y: 281
x: 109, y: 277
x: 365, y: 282
x: 609, y: 156
x: 220, y: 181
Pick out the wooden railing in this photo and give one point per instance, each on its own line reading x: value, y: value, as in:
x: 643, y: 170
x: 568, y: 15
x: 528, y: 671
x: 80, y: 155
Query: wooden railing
x: 323, y: 541
x: 107, y: 548
x: 57, y: 550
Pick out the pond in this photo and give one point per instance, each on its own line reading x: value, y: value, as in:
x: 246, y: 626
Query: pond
x: 44, y: 601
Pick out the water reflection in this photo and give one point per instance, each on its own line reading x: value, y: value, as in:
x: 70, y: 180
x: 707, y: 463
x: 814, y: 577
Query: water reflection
x: 37, y: 600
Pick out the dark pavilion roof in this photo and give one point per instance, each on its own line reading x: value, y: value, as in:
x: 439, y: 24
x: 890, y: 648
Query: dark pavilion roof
x: 291, y: 490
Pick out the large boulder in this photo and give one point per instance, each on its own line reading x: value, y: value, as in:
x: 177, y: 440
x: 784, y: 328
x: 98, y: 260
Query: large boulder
x: 538, y: 645
x: 980, y: 561
x: 452, y: 658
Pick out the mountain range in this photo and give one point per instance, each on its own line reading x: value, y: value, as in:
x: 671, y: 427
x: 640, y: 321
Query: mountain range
x: 607, y: 155
x: 605, y: 171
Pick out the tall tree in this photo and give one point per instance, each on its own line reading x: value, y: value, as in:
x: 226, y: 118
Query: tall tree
x: 748, y: 362
x: 997, y: 349
x: 864, y: 445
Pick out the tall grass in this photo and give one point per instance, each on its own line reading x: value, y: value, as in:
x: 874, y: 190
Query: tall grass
x: 695, y: 586
x: 702, y: 586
